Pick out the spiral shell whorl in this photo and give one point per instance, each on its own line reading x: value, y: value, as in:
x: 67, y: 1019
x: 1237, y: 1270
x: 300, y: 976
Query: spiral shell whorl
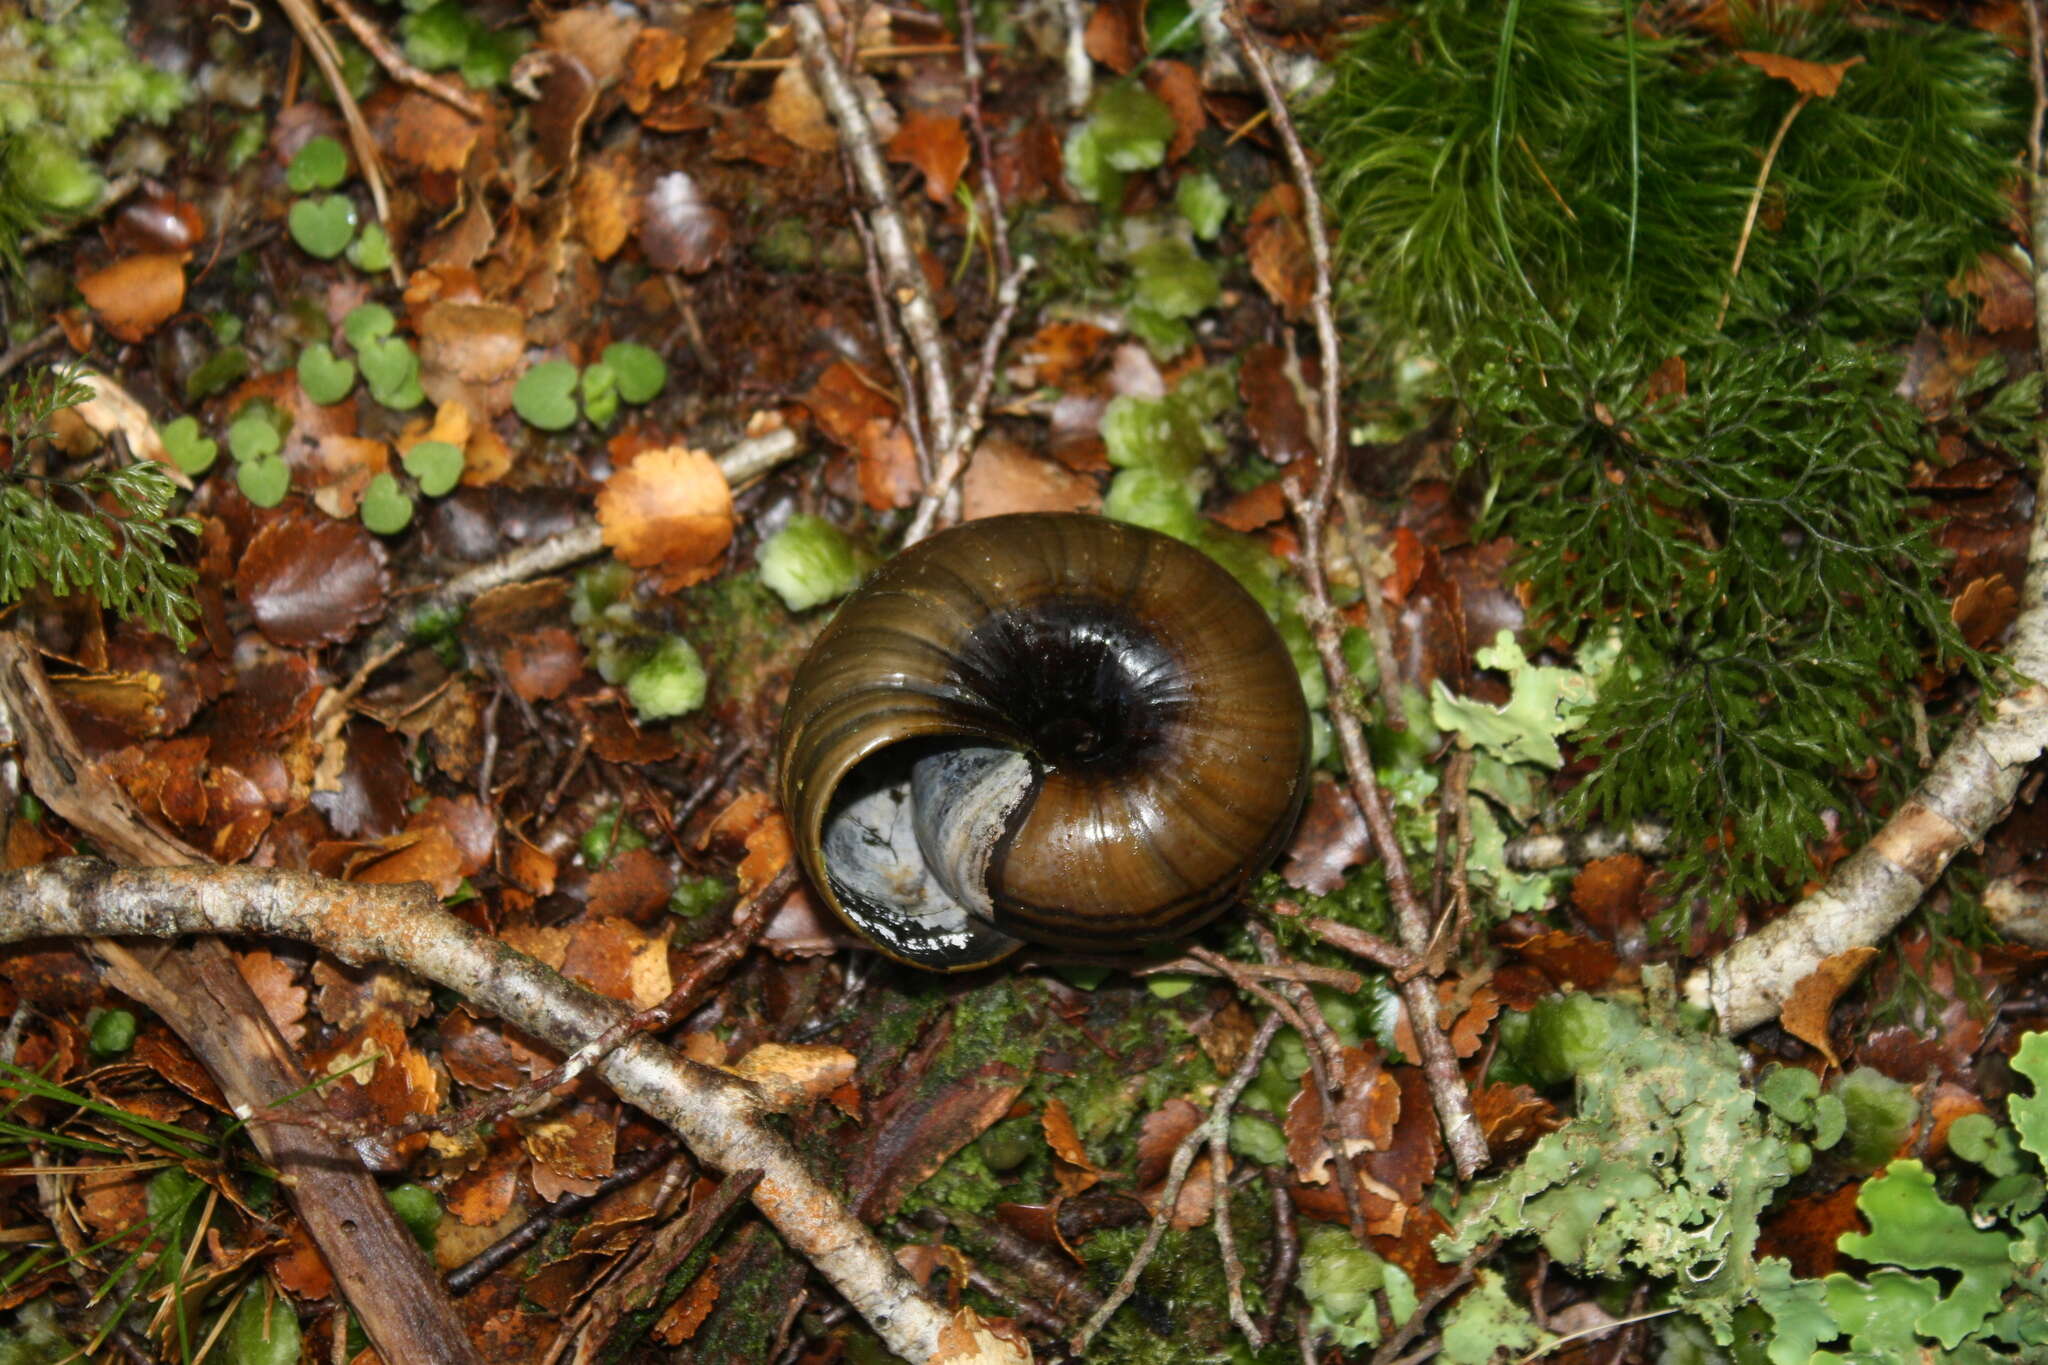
x: 1163, y: 737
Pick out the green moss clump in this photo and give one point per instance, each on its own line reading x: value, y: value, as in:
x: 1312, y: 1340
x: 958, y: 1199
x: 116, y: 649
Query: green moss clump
x: 65, y: 86
x: 1713, y: 477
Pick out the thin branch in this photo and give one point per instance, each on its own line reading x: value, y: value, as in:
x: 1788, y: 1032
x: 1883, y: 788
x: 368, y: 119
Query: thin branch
x: 443, y: 88
x: 719, y: 1118
x: 953, y: 459
x: 1217, y: 1121
x: 892, y: 240
x: 1453, y: 1102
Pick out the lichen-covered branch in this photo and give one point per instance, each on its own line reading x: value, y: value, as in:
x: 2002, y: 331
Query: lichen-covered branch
x: 718, y: 1116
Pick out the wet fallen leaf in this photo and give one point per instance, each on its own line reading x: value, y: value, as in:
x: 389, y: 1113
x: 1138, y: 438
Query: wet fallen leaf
x: 136, y: 294
x: 1805, y: 1012
x: 671, y: 508
x: 310, y: 580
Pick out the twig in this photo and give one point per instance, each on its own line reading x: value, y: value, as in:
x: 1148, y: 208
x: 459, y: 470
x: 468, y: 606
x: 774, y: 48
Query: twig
x: 1543, y: 852
x: 1390, y: 1350
x: 198, y: 991
x: 1218, y: 1120
x: 1336, y: 978
x: 1756, y: 202
x: 395, y: 64
x: 1371, y: 947
x: 991, y: 193
x: 1453, y: 830
x: 1080, y: 68
x: 953, y: 460
x: 486, y: 1263
x: 741, y: 462
x: 892, y: 341
x: 1462, y: 1135
x: 1324, y: 1051
x: 718, y: 1117
x: 1964, y: 793
x: 1377, y: 628
x: 892, y: 240
x: 710, y: 966
x: 1286, y: 1249
x: 1226, y: 1239
x: 14, y: 355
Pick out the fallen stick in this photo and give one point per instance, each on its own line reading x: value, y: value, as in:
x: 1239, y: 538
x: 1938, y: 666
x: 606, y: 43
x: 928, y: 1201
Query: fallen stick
x: 719, y: 1117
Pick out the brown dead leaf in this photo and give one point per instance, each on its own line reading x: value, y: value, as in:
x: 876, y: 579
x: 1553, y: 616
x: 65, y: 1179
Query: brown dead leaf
x: 1254, y: 508
x: 310, y: 580
x: 1179, y: 88
x: 1115, y: 35
x: 606, y: 200
x: 672, y: 508
x: 888, y: 465
x: 1569, y: 959
x: 1330, y: 838
x: 1808, y: 78
x: 2005, y: 292
x: 480, y: 1197
x: 634, y: 885
x: 681, y: 1319
x: 1073, y: 1172
x: 276, y: 984
x: 1160, y: 1134
x: 1984, y: 608
x: 1805, y: 1012
x: 482, y: 1055
x: 573, y: 1149
x: 543, y: 665
x: 1005, y: 476
x: 300, y: 1268
x: 477, y: 343
x: 1279, y: 251
x: 844, y: 399
x: 136, y: 294
x: 967, y: 1339
x: 793, y: 1076
x: 618, y: 958
x: 1369, y: 1104
x: 431, y: 135
x: 937, y: 145
x: 1513, y: 1117
x: 1609, y: 892
x: 795, y: 111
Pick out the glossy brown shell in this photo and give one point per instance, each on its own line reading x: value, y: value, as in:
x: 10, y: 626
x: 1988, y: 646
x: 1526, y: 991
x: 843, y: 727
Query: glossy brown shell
x: 1160, y: 713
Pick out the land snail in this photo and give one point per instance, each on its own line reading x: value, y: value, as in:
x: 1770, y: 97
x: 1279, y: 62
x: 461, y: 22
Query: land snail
x: 1042, y: 727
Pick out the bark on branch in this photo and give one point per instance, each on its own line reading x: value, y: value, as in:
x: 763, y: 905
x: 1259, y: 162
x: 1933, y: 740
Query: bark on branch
x: 718, y: 1116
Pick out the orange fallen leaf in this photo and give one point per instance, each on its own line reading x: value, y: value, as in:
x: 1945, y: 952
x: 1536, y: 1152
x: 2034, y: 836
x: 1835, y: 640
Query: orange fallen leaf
x: 1805, y: 1013
x: 135, y: 294
x: 1822, y: 79
x: 937, y: 145
x: 671, y: 507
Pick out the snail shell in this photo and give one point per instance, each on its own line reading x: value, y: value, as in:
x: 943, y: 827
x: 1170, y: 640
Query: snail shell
x: 1041, y: 727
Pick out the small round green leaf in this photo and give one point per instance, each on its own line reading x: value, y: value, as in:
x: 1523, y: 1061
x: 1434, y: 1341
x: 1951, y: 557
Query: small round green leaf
x: 324, y: 376
x: 189, y: 450
x: 323, y: 227
x: 386, y: 509
x: 113, y: 1033
x: 640, y: 371
x: 546, y: 395
x: 393, y: 373
x: 320, y: 165
x: 264, y: 481
x: 264, y: 1330
x: 251, y: 437
x: 371, y: 250
x: 367, y: 323
x: 600, y: 393
x: 437, y: 465
x: 418, y: 1209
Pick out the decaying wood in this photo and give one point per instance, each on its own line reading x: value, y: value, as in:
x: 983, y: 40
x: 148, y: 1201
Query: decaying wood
x: 720, y: 1118
x: 198, y: 991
